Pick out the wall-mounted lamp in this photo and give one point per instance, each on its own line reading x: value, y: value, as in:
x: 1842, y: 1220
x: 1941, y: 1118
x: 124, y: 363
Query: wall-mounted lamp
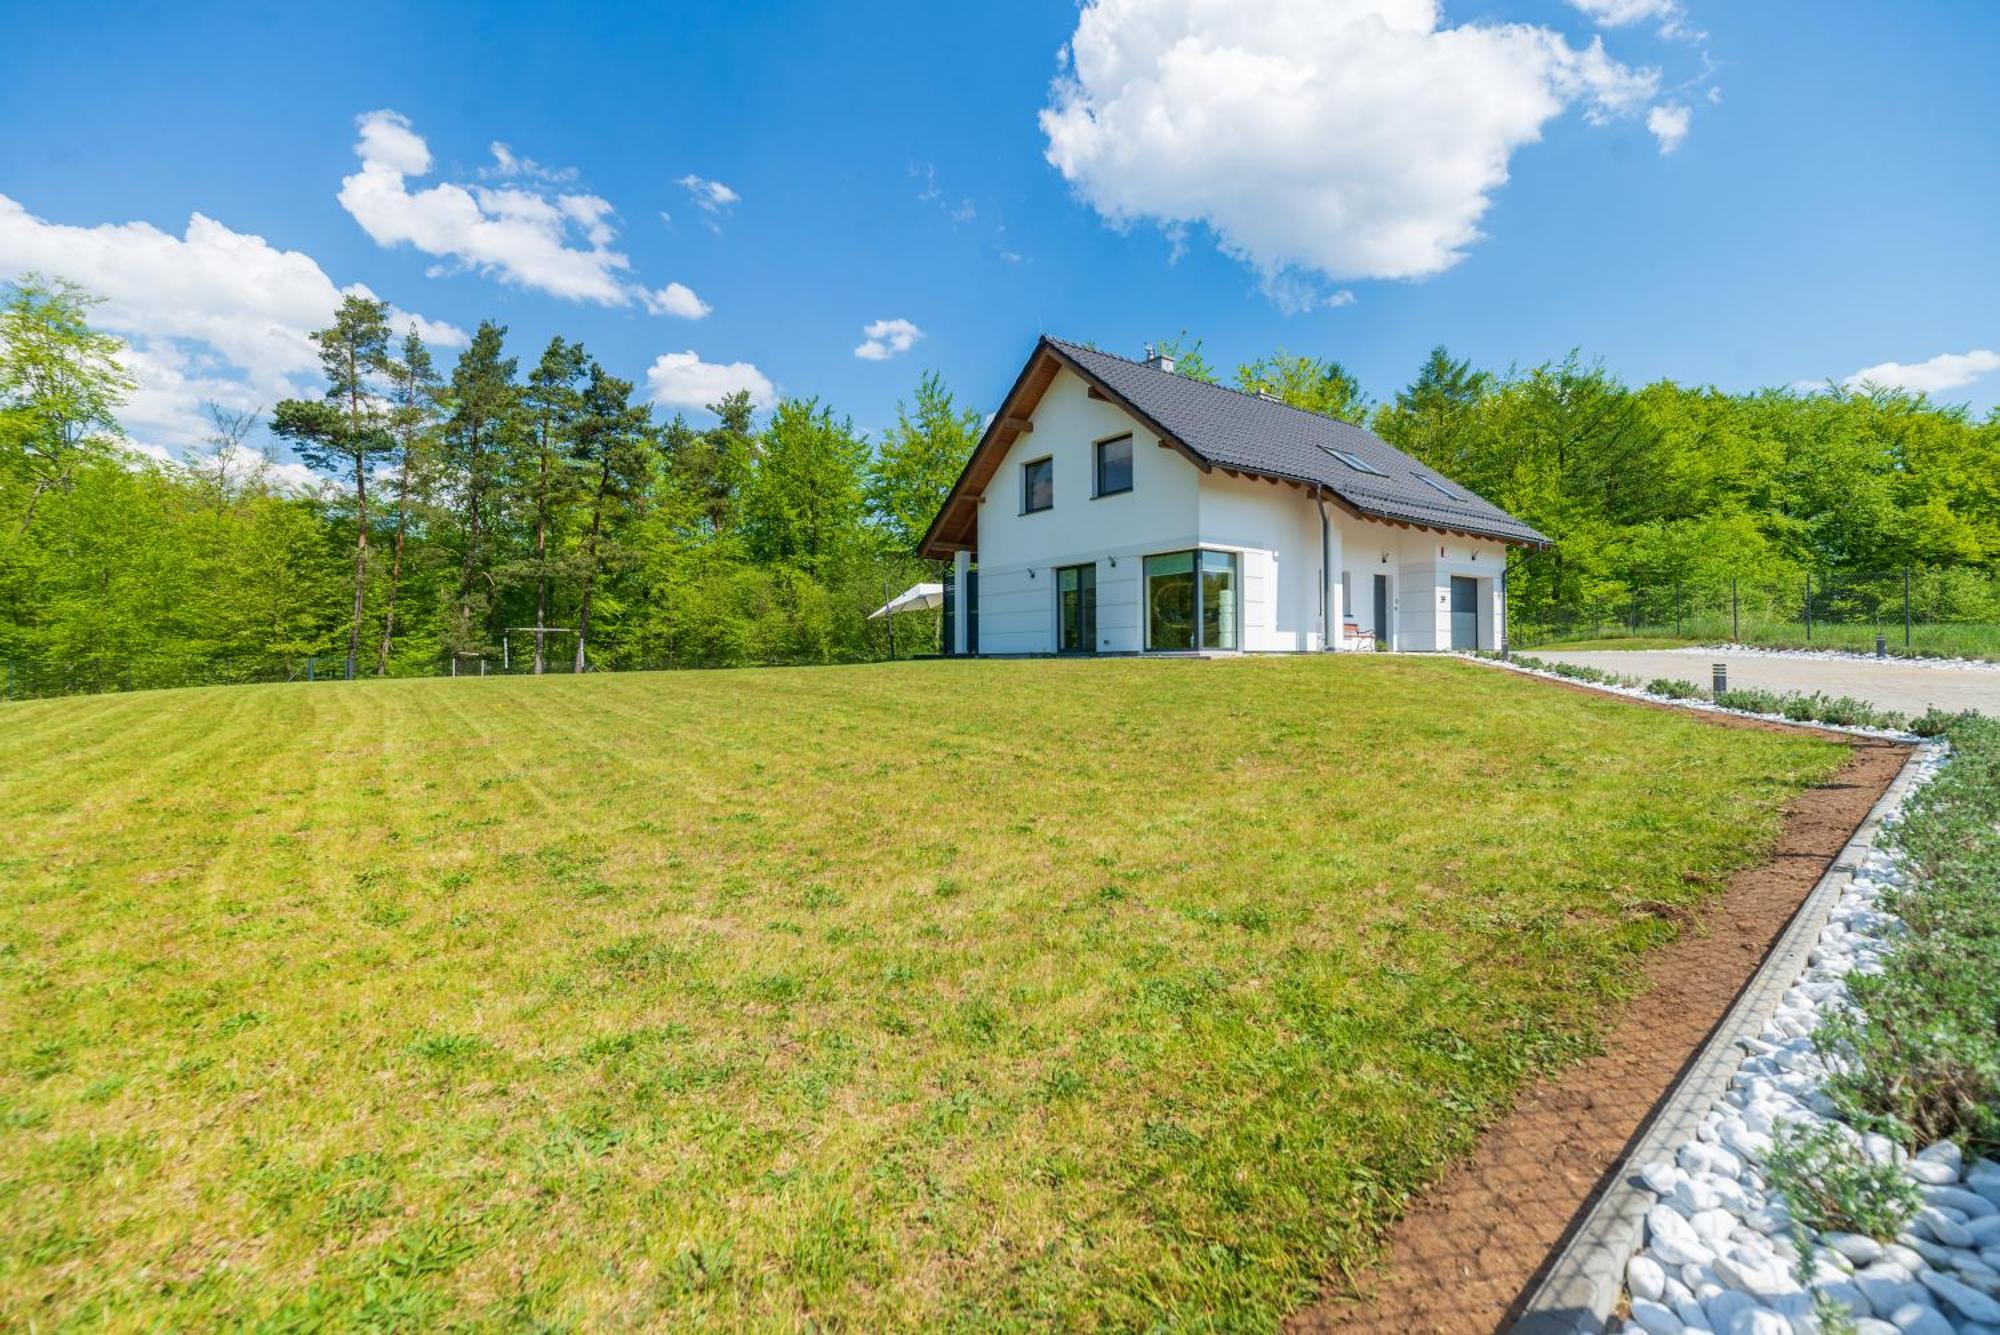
x: 1114, y: 563
x: 1031, y: 572
x: 1385, y: 558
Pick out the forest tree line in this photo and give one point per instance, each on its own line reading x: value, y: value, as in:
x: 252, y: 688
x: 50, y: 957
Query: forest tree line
x: 1675, y: 493
x: 520, y: 488
x: 459, y: 507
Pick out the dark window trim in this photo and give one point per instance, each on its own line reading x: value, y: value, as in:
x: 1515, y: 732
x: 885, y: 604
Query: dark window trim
x: 1055, y: 583
x: 1026, y: 464
x: 1097, y: 464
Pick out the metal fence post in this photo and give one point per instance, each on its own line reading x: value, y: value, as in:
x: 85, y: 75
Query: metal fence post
x: 1735, y: 616
x: 1809, y: 607
x: 1906, y: 607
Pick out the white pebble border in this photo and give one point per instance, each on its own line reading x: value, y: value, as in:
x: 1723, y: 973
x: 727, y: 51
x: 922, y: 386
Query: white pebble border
x: 1706, y: 706
x: 1719, y: 1253
x: 1831, y: 655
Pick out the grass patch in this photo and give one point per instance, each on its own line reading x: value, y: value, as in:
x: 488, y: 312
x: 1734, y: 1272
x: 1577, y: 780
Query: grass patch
x: 1927, y: 639
x: 948, y: 995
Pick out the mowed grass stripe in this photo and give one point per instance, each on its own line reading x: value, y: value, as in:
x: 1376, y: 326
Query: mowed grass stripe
x: 1090, y: 994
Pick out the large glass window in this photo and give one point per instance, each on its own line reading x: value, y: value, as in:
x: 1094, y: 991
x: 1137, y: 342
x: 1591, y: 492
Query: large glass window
x: 1038, y: 485
x: 1218, y: 600
x: 1114, y: 465
x: 1191, y: 601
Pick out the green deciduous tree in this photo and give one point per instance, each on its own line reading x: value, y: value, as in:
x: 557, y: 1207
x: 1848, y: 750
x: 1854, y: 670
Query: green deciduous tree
x: 918, y: 461
x: 1317, y: 386
x: 61, y: 383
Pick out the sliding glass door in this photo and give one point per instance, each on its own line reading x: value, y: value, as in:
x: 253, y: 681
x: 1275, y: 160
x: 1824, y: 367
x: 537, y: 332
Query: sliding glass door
x: 1076, y: 609
x: 1191, y: 601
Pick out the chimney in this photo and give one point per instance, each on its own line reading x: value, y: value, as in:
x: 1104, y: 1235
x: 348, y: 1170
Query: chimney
x: 1158, y: 360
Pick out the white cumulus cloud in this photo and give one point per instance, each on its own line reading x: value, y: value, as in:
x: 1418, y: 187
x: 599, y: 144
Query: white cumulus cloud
x: 708, y: 196
x: 677, y: 299
x: 885, y: 338
x: 684, y: 380
x: 553, y: 241
x: 1623, y: 13
x: 1947, y: 370
x: 1669, y: 124
x: 210, y: 314
x: 1360, y: 140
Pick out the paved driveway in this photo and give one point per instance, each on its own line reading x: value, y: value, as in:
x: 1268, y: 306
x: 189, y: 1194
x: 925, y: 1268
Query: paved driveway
x: 1888, y: 683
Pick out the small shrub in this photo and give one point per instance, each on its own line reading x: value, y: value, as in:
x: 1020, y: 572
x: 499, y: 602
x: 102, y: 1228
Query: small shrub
x: 1674, y: 688
x: 1935, y: 722
x: 1752, y: 700
x: 1920, y: 1048
x: 1800, y: 707
x: 1829, y: 1184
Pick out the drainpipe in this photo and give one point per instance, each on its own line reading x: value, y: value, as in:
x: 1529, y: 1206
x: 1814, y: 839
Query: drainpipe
x: 1326, y: 637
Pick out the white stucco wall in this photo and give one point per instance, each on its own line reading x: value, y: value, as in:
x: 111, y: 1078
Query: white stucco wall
x: 1173, y: 506
x: 1017, y: 611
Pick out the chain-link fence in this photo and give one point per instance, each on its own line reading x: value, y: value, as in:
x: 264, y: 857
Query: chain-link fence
x: 1947, y: 611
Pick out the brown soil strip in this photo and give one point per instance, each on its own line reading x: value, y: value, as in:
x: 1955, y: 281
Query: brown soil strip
x: 1465, y: 1254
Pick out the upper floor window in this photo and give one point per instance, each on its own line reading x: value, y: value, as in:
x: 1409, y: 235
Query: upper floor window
x: 1114, y: 465
x: 1439, y: 487
x: 1038, y: 485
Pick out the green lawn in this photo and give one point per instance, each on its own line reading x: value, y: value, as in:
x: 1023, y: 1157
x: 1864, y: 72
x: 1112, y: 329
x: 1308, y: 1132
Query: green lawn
x: 1078, y: 994
x: 1935, y: 640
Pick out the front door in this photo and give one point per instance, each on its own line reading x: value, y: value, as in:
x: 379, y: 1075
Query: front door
x: 1464, y: 612
x: 1076, y: 609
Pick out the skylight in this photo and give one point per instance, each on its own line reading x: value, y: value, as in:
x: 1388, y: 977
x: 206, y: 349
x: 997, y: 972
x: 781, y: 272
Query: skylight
x: 1354, y: 461
x: 1439, y: 487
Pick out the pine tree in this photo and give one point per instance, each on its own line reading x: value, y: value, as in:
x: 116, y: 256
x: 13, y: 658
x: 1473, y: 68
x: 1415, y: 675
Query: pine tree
x: 715, y: 465
x: 552, y: 401
x: 484, y: 408
x: 413, y: 410
x: 343, y: 431
x: 611, y: 448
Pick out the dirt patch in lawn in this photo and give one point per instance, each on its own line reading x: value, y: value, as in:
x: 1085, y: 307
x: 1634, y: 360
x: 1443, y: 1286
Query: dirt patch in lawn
x: 1464, y: 1255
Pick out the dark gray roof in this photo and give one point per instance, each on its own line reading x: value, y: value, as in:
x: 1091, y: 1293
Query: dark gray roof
x: 1233, y: 429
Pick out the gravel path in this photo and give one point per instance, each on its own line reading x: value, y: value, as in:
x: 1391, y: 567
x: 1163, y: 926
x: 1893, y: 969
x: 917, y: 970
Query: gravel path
x: 1719, y: 1253
x: 1889, y: 684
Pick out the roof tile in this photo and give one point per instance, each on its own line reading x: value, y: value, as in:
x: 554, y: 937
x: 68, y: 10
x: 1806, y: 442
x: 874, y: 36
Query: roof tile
x: 1235, y: 429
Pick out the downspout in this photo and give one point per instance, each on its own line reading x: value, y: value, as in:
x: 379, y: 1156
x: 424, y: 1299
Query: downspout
x: 1325, y: 574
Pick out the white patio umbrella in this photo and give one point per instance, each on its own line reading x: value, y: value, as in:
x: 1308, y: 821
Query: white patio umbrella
x: 916, y: 598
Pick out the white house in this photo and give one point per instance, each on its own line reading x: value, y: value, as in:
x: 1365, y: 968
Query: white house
x: 1113, y: 506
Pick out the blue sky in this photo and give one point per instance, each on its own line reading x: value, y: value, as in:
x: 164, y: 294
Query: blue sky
x: 1359, y: 181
